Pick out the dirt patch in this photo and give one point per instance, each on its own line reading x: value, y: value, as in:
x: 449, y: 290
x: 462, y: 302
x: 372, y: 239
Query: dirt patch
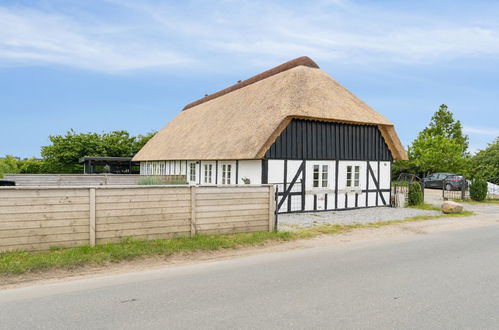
x: 358, y: 235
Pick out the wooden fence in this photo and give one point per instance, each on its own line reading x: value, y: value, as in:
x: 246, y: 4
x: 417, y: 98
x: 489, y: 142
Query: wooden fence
x: 86, y: 179
x: 39, y: 218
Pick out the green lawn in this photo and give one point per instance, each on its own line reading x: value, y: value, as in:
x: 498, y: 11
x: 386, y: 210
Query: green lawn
x: 12, y: 263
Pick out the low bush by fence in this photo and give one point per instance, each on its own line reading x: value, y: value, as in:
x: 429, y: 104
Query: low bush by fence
x: 88, y: 179
x: 39, y: 218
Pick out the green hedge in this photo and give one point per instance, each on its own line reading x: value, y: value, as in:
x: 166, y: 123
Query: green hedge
x: 478, y: 190
x: 415, y: 194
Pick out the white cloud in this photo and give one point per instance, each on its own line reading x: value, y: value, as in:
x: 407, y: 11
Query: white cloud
x: 481, y: 130
x: 159, y: 34
x: 29, y: 36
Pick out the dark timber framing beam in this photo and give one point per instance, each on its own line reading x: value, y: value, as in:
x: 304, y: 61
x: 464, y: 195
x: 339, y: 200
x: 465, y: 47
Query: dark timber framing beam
x: 376, y: 183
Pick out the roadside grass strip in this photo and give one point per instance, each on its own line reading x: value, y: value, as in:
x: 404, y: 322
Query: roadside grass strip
x: 485, y: 201
x: 19, y: 262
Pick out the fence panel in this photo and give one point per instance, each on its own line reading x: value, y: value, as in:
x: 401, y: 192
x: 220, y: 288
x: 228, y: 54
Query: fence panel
x: 37, y: 218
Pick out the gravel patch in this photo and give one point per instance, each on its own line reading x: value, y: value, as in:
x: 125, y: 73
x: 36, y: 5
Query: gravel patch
x: 368, y: 215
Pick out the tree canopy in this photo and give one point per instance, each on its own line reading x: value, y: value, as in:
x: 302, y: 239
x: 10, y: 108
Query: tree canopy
x: 64, y: 151
x: 440, y: 147
x: 485, y: 163
x: 62, y: 155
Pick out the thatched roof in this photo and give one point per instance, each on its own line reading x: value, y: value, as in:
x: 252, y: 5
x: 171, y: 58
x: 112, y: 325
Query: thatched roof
x: 242, y: 121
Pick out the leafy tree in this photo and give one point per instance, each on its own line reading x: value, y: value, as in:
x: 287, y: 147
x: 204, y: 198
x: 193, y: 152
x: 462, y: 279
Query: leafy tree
x: 141, y: 140
x: 62, y: 155
x: 440, y: 147
x: 8, y: 165
x: 32, y: 166
x: 485, y: 163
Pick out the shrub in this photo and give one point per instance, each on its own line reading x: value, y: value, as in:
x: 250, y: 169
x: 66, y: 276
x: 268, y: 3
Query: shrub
x: 478, y: 190
x: 415, y: 194
x: 149, y: 180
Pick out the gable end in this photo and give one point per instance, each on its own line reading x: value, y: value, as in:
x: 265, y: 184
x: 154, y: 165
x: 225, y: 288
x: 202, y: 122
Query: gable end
x: 316, y: 140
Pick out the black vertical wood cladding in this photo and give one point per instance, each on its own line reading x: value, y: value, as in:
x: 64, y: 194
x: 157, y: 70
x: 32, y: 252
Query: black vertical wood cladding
x: 306, y: 139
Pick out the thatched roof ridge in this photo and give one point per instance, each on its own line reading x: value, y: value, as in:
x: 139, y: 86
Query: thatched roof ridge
x: 303, y: 60
x: 243, y: 123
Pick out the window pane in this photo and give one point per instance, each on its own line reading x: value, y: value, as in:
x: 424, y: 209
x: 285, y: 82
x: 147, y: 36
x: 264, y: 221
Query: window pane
x: 324, y: 175
x: 356, y: 183
x: 316, y: 176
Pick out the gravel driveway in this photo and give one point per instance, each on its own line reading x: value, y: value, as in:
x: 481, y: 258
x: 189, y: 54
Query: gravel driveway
x: 368, y: 215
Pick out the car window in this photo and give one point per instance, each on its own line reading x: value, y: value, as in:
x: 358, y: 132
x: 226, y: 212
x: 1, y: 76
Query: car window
x: 442, y: 176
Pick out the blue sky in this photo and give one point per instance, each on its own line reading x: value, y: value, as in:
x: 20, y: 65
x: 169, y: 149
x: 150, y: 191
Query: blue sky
x: 122, y: 64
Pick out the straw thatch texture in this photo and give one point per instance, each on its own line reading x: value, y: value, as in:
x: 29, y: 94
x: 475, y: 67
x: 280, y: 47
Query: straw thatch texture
x: 243, y: 123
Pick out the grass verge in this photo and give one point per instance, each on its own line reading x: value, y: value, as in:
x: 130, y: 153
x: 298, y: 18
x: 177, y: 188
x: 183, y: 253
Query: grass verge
x: 485, y: 201
x: 18, y: 262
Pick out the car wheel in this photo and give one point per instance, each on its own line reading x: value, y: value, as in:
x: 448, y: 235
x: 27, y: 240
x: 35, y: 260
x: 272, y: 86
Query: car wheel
x: 448, y: 187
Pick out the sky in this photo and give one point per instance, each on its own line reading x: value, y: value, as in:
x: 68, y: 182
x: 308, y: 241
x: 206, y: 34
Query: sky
x: 96, y: 66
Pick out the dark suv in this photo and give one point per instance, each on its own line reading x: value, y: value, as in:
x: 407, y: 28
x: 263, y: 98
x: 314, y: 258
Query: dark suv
x: 447, y: 181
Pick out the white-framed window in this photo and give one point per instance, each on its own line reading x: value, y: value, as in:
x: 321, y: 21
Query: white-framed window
x: 353, y: 176
x: 208, y: 170
x: 192, y: 172
x: 320, y: 176
x: 226, y: 173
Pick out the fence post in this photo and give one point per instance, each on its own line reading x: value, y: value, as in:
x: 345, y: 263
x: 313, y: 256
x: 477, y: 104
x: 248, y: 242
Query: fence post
x: 422, y: 188
x: 193, y: 211
x: 271, y: 207
x: 463, y: 190
x: 92, y: 216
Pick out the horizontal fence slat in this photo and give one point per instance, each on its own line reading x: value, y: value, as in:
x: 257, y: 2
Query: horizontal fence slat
x: 43, y: 216
x: 144, y: 237
x: 250, y: 229
x: 138, y: 225
x: 43, y: 239
x: 146, y: 211
x: 141, y: 205
x: 142, y: 231
x: 142, y: 198
x: 241, y: 201
x: 257, y: 217
x: 42, y: 192
x: 43, y: 231
x: 231, y: 213
x: 233, y: 225
x: 33, y: 224
x: 43, y: 208
x: 44, y: 246
x: 144, y: 218
x: 29, y: 201
x: 211, y: 208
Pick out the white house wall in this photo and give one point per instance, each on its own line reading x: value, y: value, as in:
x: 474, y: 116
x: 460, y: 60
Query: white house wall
x: 250, y: 169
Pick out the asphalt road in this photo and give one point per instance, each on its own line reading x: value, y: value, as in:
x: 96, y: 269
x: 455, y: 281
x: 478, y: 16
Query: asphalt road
x: 444, y: 280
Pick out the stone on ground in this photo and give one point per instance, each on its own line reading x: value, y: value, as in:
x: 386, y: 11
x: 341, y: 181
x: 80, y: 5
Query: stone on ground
x: 451, y: 207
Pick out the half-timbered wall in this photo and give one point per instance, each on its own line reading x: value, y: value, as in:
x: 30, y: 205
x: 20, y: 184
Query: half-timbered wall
x: 296, y: 191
